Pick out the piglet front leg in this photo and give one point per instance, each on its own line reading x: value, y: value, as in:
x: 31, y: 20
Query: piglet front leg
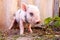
x: 29, y: 28
x: 21, y: 27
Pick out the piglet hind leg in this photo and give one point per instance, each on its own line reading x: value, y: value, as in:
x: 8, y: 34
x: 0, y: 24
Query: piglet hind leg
x: 12, y: 24
x: 29, y: 28
x: 21, y: 27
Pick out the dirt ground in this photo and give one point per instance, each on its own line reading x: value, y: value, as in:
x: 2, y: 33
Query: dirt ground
x: 38, y: 34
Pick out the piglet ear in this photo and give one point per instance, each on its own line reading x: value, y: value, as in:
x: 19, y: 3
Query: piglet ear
x: 24, y: 6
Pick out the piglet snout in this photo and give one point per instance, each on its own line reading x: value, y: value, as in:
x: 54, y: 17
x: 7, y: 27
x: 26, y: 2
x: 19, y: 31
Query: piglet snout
x: 37, y: 22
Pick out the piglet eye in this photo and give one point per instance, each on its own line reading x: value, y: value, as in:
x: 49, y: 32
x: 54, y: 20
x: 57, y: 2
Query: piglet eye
x: 31, y: 14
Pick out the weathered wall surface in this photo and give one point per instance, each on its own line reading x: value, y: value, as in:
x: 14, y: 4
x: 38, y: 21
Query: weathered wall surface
x: 59, y: 3
x: 8, y: 7
x: 2, y: 14
x: 45, y: 6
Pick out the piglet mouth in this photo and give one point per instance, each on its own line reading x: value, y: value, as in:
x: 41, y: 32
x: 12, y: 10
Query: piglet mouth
x: 37, y: 22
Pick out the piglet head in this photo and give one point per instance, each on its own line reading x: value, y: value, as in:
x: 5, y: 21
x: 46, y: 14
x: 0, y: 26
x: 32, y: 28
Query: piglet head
x: 32, y: 14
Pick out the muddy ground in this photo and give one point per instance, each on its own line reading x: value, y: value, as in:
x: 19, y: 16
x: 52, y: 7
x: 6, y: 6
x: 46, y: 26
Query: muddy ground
x: 38, y: 34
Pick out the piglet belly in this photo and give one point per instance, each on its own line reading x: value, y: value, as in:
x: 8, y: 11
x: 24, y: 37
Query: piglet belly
x: 17, y: 17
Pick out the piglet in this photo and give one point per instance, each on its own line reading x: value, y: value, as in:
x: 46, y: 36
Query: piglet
x: 29, y: 14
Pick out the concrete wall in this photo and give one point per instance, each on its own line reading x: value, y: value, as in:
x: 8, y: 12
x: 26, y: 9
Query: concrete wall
x: 56, y: 8
x: 45, y: 6
x: 8, y: 7
x: 2, y: 14
x: 59, y: 3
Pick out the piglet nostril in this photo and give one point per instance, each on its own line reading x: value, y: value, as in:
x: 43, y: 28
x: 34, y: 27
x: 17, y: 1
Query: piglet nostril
x: 37, y: 22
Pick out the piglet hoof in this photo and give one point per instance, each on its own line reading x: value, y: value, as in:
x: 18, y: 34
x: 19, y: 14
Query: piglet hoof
x: 31, y: 31
x: 21, y: 32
